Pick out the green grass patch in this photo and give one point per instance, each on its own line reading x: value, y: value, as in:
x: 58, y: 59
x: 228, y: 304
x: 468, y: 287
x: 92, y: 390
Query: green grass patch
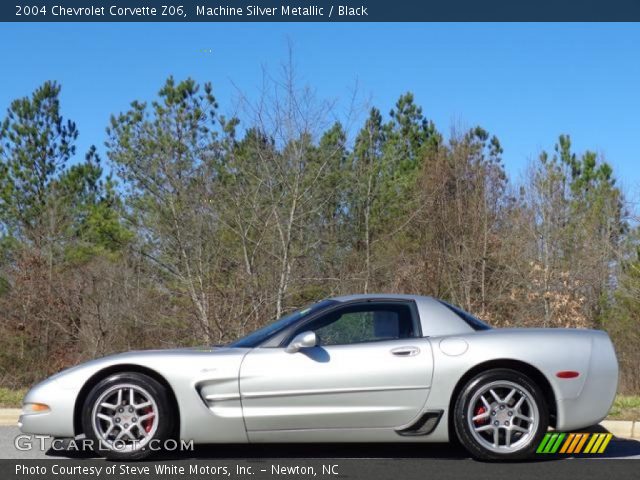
x: 10, y: 398
x: 625, y: 407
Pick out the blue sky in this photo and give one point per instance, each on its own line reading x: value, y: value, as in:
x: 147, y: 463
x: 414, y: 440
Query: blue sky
x: 526, y: 83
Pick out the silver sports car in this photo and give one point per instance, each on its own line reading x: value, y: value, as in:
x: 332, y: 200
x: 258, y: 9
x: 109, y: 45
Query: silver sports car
x: 361, y: 368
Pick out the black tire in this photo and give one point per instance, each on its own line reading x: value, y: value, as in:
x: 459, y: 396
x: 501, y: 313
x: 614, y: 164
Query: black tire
x: 534, y: 402
x: 163, y: 426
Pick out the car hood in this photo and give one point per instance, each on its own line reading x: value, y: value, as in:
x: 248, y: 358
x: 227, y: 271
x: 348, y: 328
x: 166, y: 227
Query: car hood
x: 158, y: 360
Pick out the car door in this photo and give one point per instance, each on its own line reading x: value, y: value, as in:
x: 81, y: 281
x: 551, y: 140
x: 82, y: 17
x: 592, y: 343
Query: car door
x: 370, y: 368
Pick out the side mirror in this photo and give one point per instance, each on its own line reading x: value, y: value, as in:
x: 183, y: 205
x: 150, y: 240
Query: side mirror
x: 302, y: 340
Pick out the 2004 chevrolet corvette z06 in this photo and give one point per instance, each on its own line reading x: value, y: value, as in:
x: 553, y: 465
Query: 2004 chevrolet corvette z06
x: 360, y: 368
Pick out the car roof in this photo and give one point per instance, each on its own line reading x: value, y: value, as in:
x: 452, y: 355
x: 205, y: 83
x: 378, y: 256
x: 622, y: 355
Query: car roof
x: 381, y: 296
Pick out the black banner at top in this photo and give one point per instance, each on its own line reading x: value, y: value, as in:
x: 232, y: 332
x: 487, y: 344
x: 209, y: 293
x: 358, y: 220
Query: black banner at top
x: 317, y: 11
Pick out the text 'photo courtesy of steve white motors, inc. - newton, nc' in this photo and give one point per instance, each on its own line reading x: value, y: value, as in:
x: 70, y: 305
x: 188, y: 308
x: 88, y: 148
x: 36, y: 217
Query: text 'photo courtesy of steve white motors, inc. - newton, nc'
x: 193, y: 11
x: 164, y: 469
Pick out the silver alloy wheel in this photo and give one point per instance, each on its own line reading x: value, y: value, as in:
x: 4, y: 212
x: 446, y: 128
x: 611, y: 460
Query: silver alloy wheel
x: 125, y: 417
x: 503, y: 416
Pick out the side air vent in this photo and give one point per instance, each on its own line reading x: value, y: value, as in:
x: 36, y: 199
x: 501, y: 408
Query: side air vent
x: 426, y: 424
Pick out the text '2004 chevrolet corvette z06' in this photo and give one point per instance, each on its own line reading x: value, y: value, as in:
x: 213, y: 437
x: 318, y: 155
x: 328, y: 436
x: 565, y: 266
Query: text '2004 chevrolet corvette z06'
x: 360, y: 368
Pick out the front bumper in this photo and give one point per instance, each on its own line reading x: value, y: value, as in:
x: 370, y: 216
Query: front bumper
x: 58, y: 421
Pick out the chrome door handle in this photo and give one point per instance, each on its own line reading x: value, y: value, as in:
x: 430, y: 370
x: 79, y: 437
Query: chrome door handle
x: 405, y: 351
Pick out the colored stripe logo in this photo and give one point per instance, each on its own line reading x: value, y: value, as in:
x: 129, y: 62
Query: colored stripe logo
x: 574, y: 443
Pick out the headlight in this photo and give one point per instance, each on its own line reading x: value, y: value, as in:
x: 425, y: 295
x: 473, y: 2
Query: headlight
x: 35, y: 408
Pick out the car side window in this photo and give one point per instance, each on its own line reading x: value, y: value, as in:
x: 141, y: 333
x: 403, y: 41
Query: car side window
x: 364, y: 323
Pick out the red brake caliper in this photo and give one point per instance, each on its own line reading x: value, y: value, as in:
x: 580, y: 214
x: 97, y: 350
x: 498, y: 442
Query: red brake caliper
x: 480, y: 411
x: 148, y: 423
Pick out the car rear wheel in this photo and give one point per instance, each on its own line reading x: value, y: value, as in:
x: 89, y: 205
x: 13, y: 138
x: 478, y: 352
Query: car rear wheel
x: 501, y: 414
x: 127, y: 416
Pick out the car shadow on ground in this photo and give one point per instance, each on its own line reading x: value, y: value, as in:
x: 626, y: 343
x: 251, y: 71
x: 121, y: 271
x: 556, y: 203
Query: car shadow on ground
x: 618, y: 448
x: 326, y: 450
x: 295, y: 451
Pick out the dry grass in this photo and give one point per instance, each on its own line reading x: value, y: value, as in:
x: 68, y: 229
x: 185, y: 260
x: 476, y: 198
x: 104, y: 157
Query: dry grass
x: 625, y: 407
x: 10, y: 398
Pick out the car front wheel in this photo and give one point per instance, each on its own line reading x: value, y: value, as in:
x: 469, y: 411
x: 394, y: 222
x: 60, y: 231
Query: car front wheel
x: 125, y: 415
x: 501, y: 414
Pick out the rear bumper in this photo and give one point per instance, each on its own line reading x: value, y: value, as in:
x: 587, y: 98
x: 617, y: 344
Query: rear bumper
x: 596, y: 397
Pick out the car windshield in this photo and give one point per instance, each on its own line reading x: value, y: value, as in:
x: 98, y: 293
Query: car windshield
x: 256, y: 338
x: 470, y: 320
